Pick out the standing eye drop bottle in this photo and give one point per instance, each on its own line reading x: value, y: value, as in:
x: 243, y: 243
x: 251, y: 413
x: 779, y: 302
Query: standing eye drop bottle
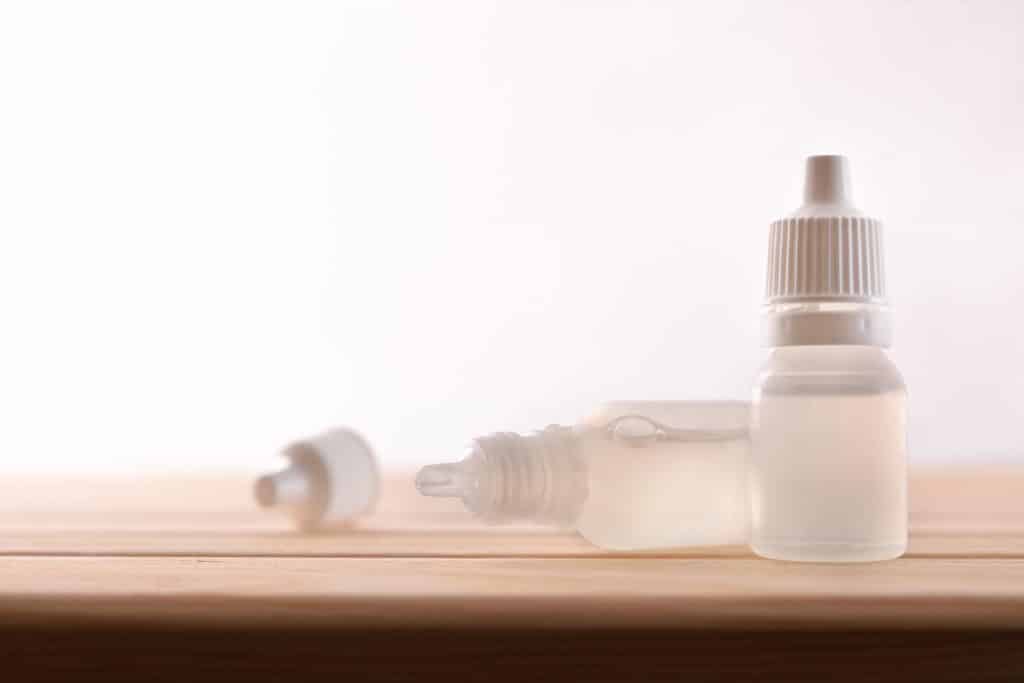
x: 828, y: 423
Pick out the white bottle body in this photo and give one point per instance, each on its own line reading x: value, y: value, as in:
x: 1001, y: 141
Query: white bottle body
x: 686, y: 489
x: 828, y: 456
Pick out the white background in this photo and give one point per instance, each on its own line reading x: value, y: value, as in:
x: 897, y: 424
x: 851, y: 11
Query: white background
x: 227, y: 225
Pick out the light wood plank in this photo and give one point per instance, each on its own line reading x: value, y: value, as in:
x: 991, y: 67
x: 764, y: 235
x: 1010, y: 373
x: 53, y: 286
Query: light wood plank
x: 962, y: 499
x: 374, y: 541
x: 967, y: 513
x: 198, y: 552
x: 514, y: 592
x: 189, y: 503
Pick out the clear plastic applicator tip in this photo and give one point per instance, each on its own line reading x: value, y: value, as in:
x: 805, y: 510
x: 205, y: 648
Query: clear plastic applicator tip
x: 442, y: 481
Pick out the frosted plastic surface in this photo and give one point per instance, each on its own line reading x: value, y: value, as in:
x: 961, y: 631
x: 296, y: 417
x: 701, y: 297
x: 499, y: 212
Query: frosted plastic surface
x: 828, y: 456
x: 686, y: 488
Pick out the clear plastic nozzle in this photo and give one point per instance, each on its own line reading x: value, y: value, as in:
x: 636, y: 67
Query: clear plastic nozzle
x: 444, y: 480
x: 290, y: 486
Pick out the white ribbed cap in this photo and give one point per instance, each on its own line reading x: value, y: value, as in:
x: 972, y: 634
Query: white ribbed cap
x: 332, y: 479
x: 827, y: 250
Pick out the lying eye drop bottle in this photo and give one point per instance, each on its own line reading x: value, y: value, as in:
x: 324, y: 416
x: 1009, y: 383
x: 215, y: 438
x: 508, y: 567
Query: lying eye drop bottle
x: 828, y: 430
x: 332, y: 479
x: 635, y: 475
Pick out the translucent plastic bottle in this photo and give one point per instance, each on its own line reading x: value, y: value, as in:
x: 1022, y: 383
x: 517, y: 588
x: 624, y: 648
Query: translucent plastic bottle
x: 828, y: 429
x: 635, y: 475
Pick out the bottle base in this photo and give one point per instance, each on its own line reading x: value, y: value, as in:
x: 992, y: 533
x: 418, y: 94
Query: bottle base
x: 828, y: 551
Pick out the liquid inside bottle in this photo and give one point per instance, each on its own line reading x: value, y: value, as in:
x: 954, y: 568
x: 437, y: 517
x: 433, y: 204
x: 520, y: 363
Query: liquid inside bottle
x: 829, y: 473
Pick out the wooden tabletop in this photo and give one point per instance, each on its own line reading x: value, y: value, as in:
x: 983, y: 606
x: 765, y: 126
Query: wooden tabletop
x: 196, y: 553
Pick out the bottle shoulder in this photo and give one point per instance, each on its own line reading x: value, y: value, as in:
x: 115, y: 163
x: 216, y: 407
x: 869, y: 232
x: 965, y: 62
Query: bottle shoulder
x: 640, y: 415
x: 827, y: 369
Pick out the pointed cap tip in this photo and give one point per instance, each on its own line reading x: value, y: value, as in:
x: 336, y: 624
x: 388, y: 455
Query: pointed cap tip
x: 827, y: 180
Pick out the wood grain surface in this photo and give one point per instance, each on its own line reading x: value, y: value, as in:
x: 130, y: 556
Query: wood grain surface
x: 92, y: 564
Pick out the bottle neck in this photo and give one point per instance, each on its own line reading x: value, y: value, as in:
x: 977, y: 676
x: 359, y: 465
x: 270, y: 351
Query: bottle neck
x: 826, y: 323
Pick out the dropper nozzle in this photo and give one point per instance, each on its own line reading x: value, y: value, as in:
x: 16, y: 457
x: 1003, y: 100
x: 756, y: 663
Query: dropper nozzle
x: 445, y: 480
x: 827, y: 187
x: 290, y: 486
